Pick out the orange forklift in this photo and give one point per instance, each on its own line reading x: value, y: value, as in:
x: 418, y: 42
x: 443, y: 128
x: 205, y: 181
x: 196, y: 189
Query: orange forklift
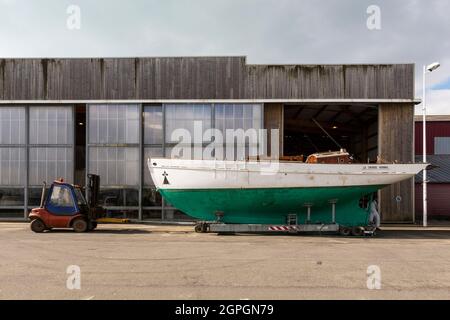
x: 65, y: 206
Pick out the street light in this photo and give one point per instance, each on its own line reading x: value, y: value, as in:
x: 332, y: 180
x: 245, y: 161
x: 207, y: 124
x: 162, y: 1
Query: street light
x: 433, y: 66
x: 426, y: 69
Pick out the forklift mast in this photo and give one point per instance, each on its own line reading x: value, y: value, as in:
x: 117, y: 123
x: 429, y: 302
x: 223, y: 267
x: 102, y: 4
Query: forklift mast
x: 93, y: 189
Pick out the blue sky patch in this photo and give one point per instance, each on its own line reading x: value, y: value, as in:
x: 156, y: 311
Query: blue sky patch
x: 442, y: 85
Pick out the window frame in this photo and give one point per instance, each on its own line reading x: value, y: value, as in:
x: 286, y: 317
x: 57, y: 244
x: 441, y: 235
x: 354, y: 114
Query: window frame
x: 447, y: 142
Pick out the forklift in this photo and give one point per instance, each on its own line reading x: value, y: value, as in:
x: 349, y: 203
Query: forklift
x: 65, y: 206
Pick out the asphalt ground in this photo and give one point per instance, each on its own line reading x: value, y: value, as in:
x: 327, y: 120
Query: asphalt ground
x: 136, y: 261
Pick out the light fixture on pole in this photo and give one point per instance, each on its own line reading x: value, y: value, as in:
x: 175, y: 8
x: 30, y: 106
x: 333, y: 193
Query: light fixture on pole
x: 426, y: 69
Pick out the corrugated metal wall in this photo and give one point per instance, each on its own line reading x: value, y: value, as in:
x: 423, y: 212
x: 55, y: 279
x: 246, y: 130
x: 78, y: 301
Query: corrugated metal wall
x: 438, y: 200
x: 438, y: 188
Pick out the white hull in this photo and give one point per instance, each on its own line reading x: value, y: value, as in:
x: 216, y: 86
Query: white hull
x: 217, y: 174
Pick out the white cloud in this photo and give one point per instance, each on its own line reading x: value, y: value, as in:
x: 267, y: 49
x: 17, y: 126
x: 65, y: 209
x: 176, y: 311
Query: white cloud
x: 438, y: 102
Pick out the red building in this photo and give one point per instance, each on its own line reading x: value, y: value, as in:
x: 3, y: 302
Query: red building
x: 438, y: 154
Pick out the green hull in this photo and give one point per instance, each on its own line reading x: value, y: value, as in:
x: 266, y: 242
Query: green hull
x: 272, y: 205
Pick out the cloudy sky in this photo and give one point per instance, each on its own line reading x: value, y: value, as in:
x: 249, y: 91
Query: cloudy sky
x: 266, y: 31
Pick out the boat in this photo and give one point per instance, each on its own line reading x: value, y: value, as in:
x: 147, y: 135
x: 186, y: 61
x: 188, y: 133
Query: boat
x: 267, y: 192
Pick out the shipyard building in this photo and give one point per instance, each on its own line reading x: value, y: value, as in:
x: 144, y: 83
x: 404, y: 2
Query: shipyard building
x: 70, y: 117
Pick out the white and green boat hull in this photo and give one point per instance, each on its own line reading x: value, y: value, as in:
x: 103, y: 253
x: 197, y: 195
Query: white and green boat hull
x: 241, y: 192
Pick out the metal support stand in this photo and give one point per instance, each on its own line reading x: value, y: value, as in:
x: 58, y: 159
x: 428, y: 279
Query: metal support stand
x: 291, y: 219
x: 308, y: 211
x: 333, y: 210
x: 292, y: 223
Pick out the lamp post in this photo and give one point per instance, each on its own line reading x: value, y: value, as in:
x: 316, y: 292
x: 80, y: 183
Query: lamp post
x: 426, y: 69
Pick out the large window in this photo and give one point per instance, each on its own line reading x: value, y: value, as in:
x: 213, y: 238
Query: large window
x: 244, y: 120
x: 153, y: 147
x: 51, y: 144
x: 153, y: 125
x: 50, y: 148
x: 113, y: 153
x: 12, y: 179
x: 37, y: 144
x: 12, y: 125
x: 51, y: 125
x: 49, y: 164
x: 12, y: 147
x: 182, y: 135
x: 238, y: 116
x: 12, y: 161
x: 113, y: 124
x: 183, y: 116
x: 117, y: 166
x: 12, y: 166
x: 44, y: 154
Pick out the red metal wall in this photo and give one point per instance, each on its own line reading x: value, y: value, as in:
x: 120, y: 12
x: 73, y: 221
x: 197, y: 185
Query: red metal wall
x: 434, y: 129
x: 438, y: 193
x: 438, y: 200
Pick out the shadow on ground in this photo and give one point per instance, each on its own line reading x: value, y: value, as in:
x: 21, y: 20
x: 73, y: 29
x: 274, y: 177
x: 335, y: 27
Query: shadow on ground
x: 382, y: 234
x: 413, y: 234
x: 105, y: 231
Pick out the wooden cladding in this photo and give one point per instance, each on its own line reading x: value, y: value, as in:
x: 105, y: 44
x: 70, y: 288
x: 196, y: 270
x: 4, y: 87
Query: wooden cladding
x: 395, y: 143
x: 198, y: 78
x: 273, y: 119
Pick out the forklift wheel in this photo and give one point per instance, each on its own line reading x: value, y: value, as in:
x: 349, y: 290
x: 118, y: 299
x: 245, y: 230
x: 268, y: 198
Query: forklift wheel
x: 37, y: 225
x: 80, y: 225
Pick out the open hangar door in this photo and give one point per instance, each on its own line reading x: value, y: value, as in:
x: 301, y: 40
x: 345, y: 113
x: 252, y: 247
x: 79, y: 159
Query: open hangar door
x: 351, y: 127
x: 364, y: 130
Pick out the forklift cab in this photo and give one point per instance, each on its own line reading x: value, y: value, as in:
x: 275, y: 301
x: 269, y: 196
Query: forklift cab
x: 65, y: 199
x: 65, y: 206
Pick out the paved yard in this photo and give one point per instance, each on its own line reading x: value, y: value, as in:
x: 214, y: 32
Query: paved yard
x: 172, y: 262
